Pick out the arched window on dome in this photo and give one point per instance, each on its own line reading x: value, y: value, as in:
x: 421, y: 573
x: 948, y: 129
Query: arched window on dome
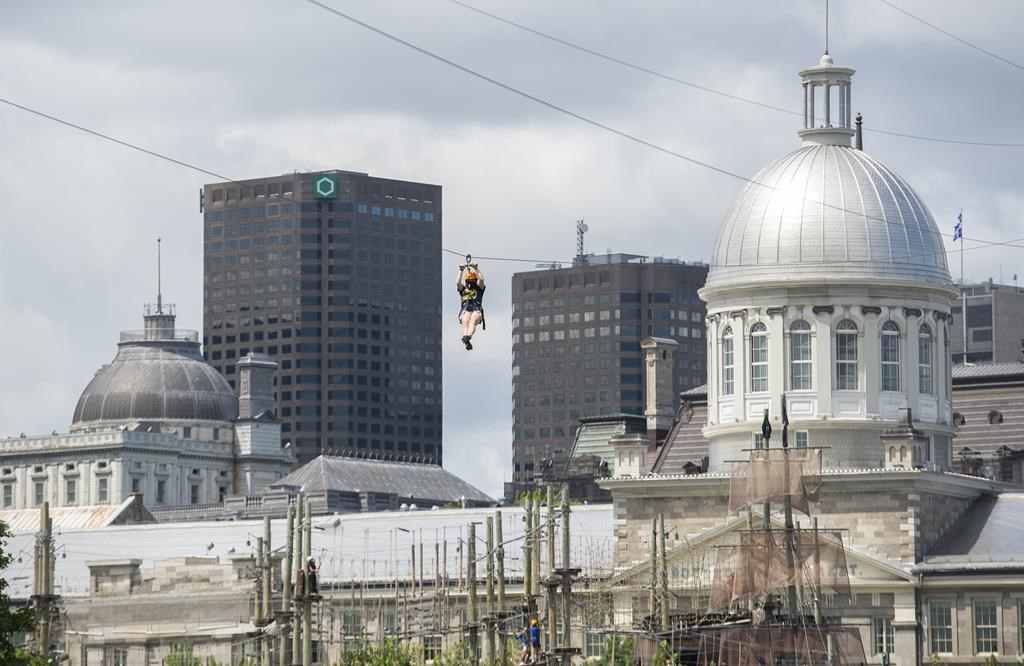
x: 846, y: 356
x: 800, y: 362
x: 890, y: 357
x: 924, y: 360
x: 759, y: 358
x: 728, y: 362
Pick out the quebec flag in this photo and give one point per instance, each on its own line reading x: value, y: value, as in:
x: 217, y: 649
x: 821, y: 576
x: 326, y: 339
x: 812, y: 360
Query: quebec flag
x: 958, y: 228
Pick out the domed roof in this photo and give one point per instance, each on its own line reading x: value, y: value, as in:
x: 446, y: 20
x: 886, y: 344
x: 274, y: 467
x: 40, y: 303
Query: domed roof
x: 158, y: 377
x: 828, y: 213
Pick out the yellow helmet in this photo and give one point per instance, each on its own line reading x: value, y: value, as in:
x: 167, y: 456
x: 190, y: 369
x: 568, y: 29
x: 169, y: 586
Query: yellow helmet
x: 471, y: 276
x: 533, y: 622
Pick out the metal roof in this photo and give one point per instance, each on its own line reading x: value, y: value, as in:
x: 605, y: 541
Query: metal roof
x: 981, y: 370
x: 26, y: 521
x: 594, y: 435
x: 358, y: 546
x: 412, y: 480
x: 828, y: 212
x: 156, y: 380
x: 989, y: 534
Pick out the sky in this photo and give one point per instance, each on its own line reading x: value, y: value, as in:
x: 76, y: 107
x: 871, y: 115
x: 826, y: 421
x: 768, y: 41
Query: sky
x: 254, y: 88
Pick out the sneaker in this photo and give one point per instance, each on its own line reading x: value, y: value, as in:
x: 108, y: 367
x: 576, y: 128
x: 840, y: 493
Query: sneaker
x: 469, y: 345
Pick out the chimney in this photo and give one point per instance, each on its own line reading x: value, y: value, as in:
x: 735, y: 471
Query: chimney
x: 255, y: 385
x: 659, y: 394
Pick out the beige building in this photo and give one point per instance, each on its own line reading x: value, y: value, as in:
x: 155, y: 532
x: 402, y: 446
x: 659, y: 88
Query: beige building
x: 828, y: 303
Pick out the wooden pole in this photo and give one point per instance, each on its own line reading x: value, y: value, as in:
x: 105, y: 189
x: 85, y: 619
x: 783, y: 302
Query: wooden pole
x: 552, y: 606
x: 307, y: 603
x: 299, y: 583
x: 437, y: 584
x: 411, y: 594
x: 566, y: 578
x: 527, y: 548
x: 500, y: 555
x: 474, y: 637
x: 257, y: 601
x: 490, y: 591
x: 286, y: 588
x: 535, y: 574
x: 664, y: 571
x: 445, y: 582
x: 412, y: 569
x: 652, y: 605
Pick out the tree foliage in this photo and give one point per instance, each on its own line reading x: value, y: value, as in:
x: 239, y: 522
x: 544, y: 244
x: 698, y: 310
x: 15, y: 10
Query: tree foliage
x: 617, y: 652
x: 182, y: 656
x: 664, y: 655
x: 389, y: 652
x: 12, y: 620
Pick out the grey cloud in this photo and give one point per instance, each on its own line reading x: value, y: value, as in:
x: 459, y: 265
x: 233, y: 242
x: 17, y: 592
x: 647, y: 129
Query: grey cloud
x: 238, y: 88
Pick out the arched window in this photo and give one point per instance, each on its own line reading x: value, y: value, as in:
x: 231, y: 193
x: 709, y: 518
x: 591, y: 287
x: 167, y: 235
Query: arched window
x: 846, y: 356
x: 924, y: 361
x: 727, y: 362
x: 800, y: 364
x: 890, y: 348
x: 759, y: 358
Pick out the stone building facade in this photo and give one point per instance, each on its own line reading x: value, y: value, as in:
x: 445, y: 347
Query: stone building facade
x: 829, y: 306
x: 157, y: 421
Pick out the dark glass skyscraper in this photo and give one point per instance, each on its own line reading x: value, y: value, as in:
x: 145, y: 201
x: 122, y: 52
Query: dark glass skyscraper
x: 576, y: 336
x: 337, y: 276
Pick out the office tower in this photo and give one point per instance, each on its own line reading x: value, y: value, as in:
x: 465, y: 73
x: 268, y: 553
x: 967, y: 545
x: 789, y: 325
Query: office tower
x: 336, y: 275
x: 995, y: 323
x: 576, y: 336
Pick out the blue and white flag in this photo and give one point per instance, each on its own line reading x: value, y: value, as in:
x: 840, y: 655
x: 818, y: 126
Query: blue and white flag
x: 958, y: 229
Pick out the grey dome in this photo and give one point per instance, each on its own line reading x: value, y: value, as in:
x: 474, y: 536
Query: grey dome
x: 156, y: 380
x: 823, y: 213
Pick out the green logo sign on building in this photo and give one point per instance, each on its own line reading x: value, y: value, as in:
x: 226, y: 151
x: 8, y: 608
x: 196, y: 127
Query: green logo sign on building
x: 325, y: 187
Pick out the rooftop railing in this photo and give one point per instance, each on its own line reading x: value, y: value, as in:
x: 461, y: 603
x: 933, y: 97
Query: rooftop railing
x: 175, y: 334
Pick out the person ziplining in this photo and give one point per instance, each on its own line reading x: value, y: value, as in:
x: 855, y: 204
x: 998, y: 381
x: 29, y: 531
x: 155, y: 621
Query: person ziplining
x: 471, y: 290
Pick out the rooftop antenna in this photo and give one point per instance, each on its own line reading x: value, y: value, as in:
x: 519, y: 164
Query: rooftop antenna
x: 826, y: 27
x: 581, y: 228
x: 159, y: 296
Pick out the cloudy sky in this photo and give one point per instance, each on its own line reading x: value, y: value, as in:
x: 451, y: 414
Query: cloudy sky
x: 254, y: 88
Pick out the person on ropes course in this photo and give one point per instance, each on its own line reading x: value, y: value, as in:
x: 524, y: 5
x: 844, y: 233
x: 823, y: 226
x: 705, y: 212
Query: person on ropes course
x: 471, y: 290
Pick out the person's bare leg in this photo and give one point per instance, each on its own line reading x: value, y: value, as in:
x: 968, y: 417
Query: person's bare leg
x: 474, y: 320
x: 469, y: 321
x: 466, y: 319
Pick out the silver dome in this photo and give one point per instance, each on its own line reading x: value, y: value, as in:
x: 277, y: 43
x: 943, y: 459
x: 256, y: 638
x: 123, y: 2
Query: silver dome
x: 828, y: 213
x: 156, y: 380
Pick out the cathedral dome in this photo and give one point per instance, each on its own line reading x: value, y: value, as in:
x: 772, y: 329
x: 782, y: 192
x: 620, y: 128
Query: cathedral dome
x: 828, y: 212
x: 157, y: 375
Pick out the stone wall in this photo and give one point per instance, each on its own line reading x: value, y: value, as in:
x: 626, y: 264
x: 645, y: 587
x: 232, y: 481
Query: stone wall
x: 684, y: 517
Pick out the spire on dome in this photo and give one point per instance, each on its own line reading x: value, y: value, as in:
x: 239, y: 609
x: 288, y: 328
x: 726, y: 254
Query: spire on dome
x: 158, y: 323
x: 827, y: 108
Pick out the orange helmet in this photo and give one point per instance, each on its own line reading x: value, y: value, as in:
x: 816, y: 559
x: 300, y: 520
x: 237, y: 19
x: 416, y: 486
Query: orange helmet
x: 471, y: 276
x: 533, y: 623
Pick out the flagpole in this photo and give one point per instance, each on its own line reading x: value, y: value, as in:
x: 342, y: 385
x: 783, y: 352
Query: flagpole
x: 963, y: 292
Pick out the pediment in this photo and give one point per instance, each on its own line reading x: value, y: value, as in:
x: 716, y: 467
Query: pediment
x: 689, y: 556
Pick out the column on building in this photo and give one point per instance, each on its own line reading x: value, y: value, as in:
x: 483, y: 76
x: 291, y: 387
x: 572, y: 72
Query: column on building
x: 777, y: 324
x: 872, y: 373
x: 822, y: 356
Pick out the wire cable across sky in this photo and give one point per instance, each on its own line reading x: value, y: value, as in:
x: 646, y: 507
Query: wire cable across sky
x: 504, y: 86
x: 713, y: 91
